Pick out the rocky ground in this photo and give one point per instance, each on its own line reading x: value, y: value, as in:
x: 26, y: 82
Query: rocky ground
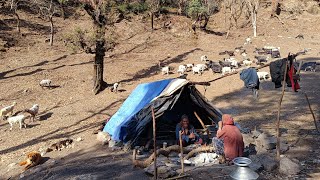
x: 72, y: 111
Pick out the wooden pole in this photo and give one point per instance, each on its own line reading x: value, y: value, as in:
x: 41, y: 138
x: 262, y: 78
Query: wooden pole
x: 314, y: 118
x: 181, y: 152
x: 154, y: 144
x: 201, y: 122
x: 279, y: 109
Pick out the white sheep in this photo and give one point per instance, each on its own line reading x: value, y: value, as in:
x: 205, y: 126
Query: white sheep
x: 165, y: 70
x: 263, y: 75
x: 233, y: 62
x: 202, y: 67
x: 6, y: 110
x: 45, y: 83
x: 197, y: 70
x: 247, y: 62
x: 226, y: 70
x: 182, y: 69
x: 33, y: 111
x: 204, y: 58
x: 17, y: 119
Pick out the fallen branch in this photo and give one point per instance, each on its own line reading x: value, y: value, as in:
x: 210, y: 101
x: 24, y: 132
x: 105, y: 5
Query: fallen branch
x: 178, y: 177
x: 199, y: 149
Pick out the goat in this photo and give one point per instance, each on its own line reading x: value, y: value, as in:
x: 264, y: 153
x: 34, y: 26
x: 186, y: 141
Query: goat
x: 248, y: 41
x: 225, y: 63
x: 230, y: 53
x: 164, y: 70
x: 226, y: 70
x: 182, y: 69
x: 247, y: 62
x: 190, y: 65
x: 17, y: 119
x: 6, y: 110
x: 204, y: 58
x: 115, y: 87
x: 33, y: 111
x: 202, y: 67
x: 263, y: 75
x: 261, y: 59
x: 45, y: 83
x: 197, y: 70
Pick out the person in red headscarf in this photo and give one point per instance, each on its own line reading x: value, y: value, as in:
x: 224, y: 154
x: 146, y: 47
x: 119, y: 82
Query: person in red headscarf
x: 231, y: 136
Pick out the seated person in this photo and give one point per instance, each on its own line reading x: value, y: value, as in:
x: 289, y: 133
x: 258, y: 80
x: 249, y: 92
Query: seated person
x: 229, y: 140
x: 188, y: 133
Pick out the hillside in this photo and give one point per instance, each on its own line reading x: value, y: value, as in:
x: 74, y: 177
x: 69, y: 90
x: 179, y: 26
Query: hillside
x: 71, y: 110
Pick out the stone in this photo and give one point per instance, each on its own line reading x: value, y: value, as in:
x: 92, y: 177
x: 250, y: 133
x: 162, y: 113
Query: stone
x: 289, y: 167
x: 79, y: 139
x: 103, y: 137
x: 268, y: 163
x: 284, y: 148
x: 256, y: 164
x: 268, y: 143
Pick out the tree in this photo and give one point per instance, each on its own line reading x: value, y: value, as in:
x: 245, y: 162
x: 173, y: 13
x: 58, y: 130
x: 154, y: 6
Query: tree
x: 275, y: 7
x: 154, y: 7
x: 253, y: 6
x: 48, y: 9
x: 62, y: 4
x: 198, y: 11
x: 233, y: 11
x: 14, y: 7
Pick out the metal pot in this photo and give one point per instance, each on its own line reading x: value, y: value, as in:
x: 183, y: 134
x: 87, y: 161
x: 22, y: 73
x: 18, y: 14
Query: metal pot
x: 243, y: 172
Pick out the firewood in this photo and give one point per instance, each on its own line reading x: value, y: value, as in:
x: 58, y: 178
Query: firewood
x: 199, y: 149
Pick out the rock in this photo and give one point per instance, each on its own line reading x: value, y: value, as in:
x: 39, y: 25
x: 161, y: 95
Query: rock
x: 79, y: 139
x: 268, y: 163
x: 256, y: 164
x: 284, y: 148
x: 103, y: 137
x: 268, y: 143
x: 288, y: 167
x: 21, y: 175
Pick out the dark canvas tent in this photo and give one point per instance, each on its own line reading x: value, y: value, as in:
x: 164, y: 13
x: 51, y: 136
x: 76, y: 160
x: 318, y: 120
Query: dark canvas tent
x: 171, y: 98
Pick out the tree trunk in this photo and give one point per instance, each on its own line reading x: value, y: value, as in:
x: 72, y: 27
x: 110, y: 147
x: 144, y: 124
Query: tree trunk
x: 254, y: 23
x: 98, y: 83
x: 275, y: 6
x: 152, y: 18
x: 63, y: 14
x: 52, y: 30
x: 206, y: 20
x: 18, y: 21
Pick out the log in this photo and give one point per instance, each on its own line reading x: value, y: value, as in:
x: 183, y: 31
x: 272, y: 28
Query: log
x: 314, y: 118
x: 201, y: 122
x: 181, y: 151
x: 162, y: 151
x: 199, y: 149
x: 154, y: 140
x: 166, y: 151
x: 279, y: 109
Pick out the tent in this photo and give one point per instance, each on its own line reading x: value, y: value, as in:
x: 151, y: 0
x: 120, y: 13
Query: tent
x: 170, y: 98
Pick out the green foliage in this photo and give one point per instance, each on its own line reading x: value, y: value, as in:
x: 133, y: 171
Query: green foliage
x: 195, y: 8
x: 135, y: 7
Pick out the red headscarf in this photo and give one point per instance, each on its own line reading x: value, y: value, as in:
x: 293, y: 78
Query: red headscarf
x: 227, y: 119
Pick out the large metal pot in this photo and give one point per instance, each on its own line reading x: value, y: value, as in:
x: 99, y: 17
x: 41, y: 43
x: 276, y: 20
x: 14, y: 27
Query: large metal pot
x: 243, y: 172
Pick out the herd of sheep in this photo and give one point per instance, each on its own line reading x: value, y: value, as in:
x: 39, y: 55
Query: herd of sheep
x: 227, y: 65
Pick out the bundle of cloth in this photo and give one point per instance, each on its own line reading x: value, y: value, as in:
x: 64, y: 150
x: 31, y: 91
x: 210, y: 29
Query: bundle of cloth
x: 251, y: 80
x: 277, y: 71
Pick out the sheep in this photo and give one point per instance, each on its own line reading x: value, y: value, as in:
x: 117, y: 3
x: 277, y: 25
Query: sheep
x: 230, y: 53
x: 225, y: 63
x: 197, y: 70
x: 164, y: 70
x: 226, y: 70
x: 17, y: 119
x: 204, y: 58
x: 244, y: 54
x: 115, y: 87
x: 33, y: 111
x: 182, y: 69
x: 233, y: 62
x: 310, y: 68
x: 247, y: 62
x: 263, y: 75
x: 45, y: 83
x: 261, y: 59
x: 202, y: 67
x: 6, y: 110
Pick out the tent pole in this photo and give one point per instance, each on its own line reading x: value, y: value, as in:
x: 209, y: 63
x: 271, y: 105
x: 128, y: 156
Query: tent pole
x: 181, y: 152
x: 314, y: 118
x: 201, y: 122
x: 154, y: 144
x: 279, y: 109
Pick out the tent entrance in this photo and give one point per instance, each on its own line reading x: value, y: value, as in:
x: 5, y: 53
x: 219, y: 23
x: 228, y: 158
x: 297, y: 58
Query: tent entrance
x: 166, y: 123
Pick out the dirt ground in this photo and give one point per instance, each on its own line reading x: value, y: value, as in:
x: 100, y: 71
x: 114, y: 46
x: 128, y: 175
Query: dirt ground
x: 72, y: 111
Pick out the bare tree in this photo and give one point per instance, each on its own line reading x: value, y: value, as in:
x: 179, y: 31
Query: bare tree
x: 14, y: 6
x: 48, y: 9
x: 154, y: 8
x: 233, y: 11
x: 253, y: 6
x: 275, y: 7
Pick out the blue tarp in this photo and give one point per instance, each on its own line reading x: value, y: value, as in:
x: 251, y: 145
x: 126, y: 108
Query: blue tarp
x: 138, y: 99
